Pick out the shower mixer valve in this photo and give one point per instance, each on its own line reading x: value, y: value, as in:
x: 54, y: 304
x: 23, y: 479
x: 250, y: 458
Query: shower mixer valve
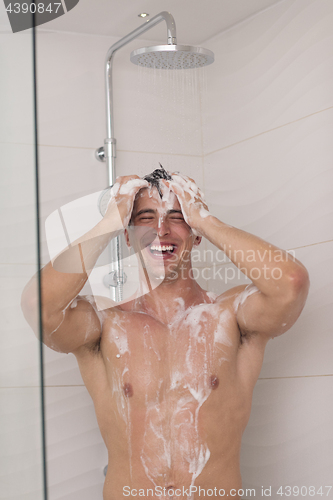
x: 107, y: 151
x: 114, y: 278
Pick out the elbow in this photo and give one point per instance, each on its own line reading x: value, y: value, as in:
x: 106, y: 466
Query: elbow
x: 30, y: 307
x: 298, y: 284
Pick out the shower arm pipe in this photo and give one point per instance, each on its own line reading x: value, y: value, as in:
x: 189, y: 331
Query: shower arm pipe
x: 110, y: 142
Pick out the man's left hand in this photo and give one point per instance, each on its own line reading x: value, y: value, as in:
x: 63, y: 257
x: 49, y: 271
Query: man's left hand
x: 191, y: 200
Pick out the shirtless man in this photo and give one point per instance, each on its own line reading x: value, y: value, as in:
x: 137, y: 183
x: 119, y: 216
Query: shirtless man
x: 171, y: 372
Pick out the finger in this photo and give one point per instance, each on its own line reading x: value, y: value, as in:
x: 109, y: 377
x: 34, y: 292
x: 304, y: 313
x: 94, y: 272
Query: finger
x: 132, y: 186
x: 176, y: 188
x: 121, y: 179
x: 186, y: 182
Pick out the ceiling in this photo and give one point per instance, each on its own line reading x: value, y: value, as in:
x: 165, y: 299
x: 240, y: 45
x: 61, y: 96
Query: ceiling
x: 196, y: 20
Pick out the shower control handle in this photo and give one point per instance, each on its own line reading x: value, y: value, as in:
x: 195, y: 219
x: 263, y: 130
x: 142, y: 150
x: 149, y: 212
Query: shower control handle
x: 114, y: 278
x: 100, y: 154
x: 107, y: 151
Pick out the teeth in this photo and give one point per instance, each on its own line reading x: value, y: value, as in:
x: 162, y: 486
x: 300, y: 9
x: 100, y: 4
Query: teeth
x: 160, y: 248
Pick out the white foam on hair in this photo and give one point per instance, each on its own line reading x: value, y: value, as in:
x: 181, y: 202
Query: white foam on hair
x: 131, y: 186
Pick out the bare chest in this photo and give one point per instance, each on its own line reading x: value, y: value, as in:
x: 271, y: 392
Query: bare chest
x: 157, y: 362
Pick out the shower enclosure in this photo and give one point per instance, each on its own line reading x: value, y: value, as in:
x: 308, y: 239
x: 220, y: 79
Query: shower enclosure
x: 22, y: 460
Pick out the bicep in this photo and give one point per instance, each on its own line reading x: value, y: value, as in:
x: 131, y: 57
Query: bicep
x: 72, y: 328
x: 268, y: 315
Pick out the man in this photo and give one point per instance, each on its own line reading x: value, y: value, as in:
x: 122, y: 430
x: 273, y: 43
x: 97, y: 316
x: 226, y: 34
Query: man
x: 171, y: 371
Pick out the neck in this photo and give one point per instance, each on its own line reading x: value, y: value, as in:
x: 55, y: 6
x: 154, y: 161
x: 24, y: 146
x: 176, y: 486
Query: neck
x: 170, y: 296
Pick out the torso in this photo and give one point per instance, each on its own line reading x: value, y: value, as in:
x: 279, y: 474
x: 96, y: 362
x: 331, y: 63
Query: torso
x: 172, y: 400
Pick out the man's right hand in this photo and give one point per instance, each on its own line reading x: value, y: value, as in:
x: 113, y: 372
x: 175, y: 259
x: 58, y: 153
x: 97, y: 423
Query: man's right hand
x: 123, y: 194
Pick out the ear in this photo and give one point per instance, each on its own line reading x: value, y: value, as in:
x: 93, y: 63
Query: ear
x: 197, y: 241
x: 127, y: 238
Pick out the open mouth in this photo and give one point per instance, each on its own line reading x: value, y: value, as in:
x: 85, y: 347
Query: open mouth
x: 162, y: 250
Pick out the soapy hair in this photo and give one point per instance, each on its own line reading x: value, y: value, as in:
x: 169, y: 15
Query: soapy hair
x: 155, y: 177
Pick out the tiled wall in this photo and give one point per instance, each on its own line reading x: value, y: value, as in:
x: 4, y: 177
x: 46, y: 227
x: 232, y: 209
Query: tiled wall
x: 268, y: 127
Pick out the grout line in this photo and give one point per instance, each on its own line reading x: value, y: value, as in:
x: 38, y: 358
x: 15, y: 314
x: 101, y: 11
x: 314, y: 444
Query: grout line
x: 82, y: 385
x: 268, y: 131
x: 239, y: 23
x: 158, y: 153
x: 312, y: 244
x: 182, y: 154
x: 296, y: 376
x: 18, y: 143
x: 44, y: 145
x: 219, y: 263
x: 93, y: 149
x: 38, y: 386
x: 223, y: 263
x: 18, y: 264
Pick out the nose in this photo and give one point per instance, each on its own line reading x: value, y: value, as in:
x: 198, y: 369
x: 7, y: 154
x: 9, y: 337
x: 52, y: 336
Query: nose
x: 163, y: 227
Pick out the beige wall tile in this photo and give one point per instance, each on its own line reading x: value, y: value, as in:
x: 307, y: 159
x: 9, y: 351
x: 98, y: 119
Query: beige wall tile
x: 270, y: 70
x: 21, y: 447
x: 289, y: 435
x: 76, y: 452
x: 278, y: 185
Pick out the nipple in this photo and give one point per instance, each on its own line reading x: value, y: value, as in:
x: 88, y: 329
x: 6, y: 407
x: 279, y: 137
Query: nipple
x: 214, y: 381
x: 128, y: 390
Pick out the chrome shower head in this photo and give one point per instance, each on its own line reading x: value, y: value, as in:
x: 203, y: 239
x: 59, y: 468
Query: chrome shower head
x: 172, y: 57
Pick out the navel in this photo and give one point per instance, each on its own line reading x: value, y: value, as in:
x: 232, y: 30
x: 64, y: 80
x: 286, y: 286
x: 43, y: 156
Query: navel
x: 128, y: 390
x: 214, y: 382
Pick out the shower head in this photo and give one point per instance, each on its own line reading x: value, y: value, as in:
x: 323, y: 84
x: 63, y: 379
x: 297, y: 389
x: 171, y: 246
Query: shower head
x: 172, y: 57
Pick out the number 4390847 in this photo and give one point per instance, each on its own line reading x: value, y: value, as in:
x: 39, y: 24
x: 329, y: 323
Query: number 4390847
x: 303, y: 491
x: 32, y: 8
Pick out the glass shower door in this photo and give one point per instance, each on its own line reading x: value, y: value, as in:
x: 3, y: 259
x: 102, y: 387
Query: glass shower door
x: 22, y: 468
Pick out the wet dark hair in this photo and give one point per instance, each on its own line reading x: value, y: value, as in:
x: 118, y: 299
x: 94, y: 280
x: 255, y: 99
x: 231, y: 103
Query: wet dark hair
x: 154, y: 180
x: 155, y: 177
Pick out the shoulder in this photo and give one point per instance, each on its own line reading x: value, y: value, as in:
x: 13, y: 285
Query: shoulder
x: 233, y: 295
x: 92, y: 312
x: 251, y: 349
x: 230, y: 301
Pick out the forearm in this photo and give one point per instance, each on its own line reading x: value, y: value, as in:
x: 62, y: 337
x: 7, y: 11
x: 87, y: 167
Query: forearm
x: 63, y: 279
x: 271, y: 269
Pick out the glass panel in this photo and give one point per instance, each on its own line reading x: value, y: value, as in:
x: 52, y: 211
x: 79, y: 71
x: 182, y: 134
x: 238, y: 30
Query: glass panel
x: 21, y: 450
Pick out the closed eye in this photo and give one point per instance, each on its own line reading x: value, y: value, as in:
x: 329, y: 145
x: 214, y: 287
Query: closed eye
x: 176, y: 216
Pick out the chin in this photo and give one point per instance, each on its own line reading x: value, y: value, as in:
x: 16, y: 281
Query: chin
x: 162, y: 271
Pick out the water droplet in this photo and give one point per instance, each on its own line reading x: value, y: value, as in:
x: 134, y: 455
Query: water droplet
x: 117, y: 355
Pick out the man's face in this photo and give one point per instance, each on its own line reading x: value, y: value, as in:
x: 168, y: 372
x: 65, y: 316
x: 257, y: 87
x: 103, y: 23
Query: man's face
x: 158, y: 230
